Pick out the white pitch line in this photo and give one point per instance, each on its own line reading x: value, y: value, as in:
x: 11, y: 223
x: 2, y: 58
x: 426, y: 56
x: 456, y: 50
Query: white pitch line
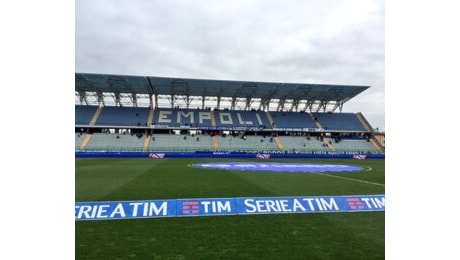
x: 340, y: 177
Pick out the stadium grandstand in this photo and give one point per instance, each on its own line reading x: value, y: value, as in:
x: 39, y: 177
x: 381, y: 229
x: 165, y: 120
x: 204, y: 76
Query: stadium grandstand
x: 122, y: 113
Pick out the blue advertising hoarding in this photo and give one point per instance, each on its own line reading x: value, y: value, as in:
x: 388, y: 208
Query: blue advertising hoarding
x: 226, y: 206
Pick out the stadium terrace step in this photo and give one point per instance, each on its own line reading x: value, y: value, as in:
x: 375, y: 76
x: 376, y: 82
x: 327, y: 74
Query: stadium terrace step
x: 85, y: 141
x: 329, y: 145
x: 96, y: 116
x: 145, y: 147
x: 270, y: 119
x: 316, y: 121
x: 364, y: 122
x: 150, y: 118
x: 376, y: 144
x: 215, y: 142
x: 278, y: 143
x: 213, y: 122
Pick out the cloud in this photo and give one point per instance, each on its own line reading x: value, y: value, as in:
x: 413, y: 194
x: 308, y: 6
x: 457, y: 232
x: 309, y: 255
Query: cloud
x: 332, y: 42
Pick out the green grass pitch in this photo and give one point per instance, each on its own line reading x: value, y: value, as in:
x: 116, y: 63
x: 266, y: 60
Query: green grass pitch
x: 357, y: 235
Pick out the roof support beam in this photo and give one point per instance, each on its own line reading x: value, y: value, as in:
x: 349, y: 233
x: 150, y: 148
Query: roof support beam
x: 100, y: 98
x: 295, y: 105
x: 134, y: 99
x: 309, y: 106
x: 150, y: 101
x: 82, y: 95
x: 265, y: 104
x: 171, y: 100
x: 203, y: 101
x: 233, y: 103
x: 153, y: 92
x: 218, y: 102
x: 323, y: 105
x: 248, y: 104
x: 117, y: 99
x: 281, y: 104
x: 338, y: 105
x: 219, y: 96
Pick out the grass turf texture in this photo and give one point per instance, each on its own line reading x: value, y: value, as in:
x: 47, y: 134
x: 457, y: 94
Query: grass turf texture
x: 284, y: 236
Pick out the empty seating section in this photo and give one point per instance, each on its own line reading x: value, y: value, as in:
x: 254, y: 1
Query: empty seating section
x: 172, y: 142
x: 250, y: 143
x: 177, y: 143
x: 302, y: 144
x: 84, y: 114
x: 292, y: 120
x: 110, y: 142
x: 339, y: 121
x: 123, y: 116
x: 355, y: 146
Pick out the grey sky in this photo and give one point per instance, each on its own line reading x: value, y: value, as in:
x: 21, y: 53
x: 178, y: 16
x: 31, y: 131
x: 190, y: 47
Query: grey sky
x: 330, y: 42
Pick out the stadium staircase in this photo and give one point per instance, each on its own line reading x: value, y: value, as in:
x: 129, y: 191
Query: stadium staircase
x: 329, y: 145
x: 270, y: 119
x: 215, y: 142
x: 95, y: 116
x: 380, y: 138
x: 85, y: 141
x: 278, y: 143
x: 150, y: 118
x: 377, y: 145
x: 364, y: 122
x: 316, y: 121
x: 213, y: 124
x: 146, y: 144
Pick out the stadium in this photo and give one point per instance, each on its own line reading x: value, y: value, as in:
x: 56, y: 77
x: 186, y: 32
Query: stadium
x: 180, y: 168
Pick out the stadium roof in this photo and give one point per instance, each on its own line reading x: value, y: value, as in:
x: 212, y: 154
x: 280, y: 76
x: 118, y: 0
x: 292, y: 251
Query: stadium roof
x: 318, y: 95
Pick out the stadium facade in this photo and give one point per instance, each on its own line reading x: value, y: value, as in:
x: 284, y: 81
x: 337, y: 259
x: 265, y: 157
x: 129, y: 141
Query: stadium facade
x: 122, y: 113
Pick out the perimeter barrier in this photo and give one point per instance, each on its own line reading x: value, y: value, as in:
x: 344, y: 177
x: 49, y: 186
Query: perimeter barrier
x: 154, y: 155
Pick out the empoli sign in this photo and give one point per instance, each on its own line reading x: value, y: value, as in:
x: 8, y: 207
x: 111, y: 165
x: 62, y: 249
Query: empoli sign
x: 226, y: 206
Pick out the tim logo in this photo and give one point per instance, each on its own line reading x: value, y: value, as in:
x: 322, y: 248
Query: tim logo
x: 355, y: 203
x: 190, y: 207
